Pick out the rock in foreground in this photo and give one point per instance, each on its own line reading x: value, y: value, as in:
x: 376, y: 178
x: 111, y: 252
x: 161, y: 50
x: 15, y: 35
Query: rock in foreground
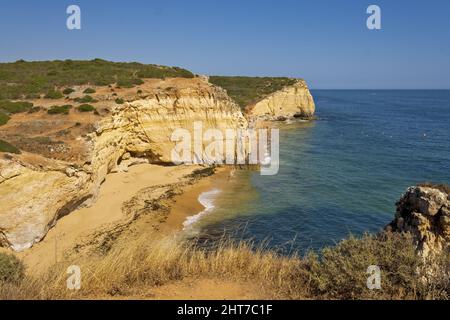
x: 424, y: 211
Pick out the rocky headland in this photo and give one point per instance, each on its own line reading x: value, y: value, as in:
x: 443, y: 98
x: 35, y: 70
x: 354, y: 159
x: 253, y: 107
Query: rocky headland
x: 63, y: 158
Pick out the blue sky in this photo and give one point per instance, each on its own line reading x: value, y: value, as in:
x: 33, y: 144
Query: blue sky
x: 325, y: 42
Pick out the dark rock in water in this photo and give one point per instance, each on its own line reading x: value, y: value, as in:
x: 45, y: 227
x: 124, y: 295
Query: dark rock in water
x: 424, y: 211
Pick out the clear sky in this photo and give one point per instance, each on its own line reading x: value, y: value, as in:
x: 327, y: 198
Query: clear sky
x: 325, y: 42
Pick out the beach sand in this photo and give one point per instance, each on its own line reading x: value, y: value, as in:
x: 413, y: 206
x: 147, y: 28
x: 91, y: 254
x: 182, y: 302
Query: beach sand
x: 107, y: 212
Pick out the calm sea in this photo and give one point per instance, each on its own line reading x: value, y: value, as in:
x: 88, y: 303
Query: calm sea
x: 340, y: 174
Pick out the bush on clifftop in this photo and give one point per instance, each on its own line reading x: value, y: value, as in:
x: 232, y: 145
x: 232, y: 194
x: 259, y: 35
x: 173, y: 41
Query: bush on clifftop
x: 86, y: 108
x: 15, y: 107
x: 59, y: 109
x: 53, y: 94
x: 4, y: 118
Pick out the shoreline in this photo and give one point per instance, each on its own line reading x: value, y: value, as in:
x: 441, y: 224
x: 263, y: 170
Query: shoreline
x: 89, y: 226
x: 187, y: 204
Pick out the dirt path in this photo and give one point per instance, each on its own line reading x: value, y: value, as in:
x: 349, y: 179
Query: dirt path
x: 199, y: 289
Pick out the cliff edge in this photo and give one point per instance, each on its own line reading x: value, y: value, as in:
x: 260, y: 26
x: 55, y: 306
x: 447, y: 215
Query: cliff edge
x: 293, y: 101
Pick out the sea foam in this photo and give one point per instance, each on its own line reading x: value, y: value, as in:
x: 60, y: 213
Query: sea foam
x: 207, y: 201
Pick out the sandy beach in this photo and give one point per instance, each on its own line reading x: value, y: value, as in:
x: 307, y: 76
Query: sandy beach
x: 85, y: 223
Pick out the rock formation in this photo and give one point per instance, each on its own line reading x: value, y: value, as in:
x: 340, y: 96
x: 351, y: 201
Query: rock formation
x: 425, y: 212
x: 38, y: 188
x: 294, y: 101
x: 36, y: 191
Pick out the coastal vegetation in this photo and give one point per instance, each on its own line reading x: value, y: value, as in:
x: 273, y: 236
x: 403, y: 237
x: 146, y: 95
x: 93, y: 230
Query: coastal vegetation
x: 4, y: 118
x: 11, y: 107
x: 12, y: 269
x: 7, y: 147
x: 53, y: 94
x: 64, y: 109
x: 245, y: 90
x: 68, y: 91
x: 119, y: 101
x: 89, y: 91
x: 28, y: 80
x: 85, y: 99
x: 86, y: 108
x: 337, y: 272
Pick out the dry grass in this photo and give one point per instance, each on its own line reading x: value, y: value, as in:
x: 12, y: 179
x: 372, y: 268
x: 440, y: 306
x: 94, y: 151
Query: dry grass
x: 339, y: 273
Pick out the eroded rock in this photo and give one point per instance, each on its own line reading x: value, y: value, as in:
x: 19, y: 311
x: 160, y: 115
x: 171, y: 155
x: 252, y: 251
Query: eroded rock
x: 425, y: 212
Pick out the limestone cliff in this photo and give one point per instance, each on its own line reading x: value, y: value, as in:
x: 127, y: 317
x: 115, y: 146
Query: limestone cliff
x: 425, y: 212
x: 36, y: 191
x: 293, y: 101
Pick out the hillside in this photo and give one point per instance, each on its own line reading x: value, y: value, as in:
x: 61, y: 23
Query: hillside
x: 27, y: 80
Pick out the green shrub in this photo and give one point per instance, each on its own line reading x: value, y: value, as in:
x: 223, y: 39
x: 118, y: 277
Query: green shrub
x: 7, y: 147
x: 89, y: 90
x: 86, y: 108
x: 4, y: 118
x: 53, y: 94
x: 64, y: 109
x: 11, y: 268
x: 85, y: 99
x: 68, y: 91
x: 119, y: 101
x: 15, y: 107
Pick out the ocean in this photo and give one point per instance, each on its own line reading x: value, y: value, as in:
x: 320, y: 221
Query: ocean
x: 340, y: 174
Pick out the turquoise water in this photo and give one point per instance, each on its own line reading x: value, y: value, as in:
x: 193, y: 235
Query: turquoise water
x: 340, y: 174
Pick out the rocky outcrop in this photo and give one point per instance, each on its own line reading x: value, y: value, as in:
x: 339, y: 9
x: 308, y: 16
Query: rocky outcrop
x: 35, y: 194
x: 294, y: 101
x: 424, y: 211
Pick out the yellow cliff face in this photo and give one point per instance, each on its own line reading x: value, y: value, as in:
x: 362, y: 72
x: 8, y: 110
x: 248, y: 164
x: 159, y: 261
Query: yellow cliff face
x: 36, y: 191
x: 37, y: 188
x: 290, y: 102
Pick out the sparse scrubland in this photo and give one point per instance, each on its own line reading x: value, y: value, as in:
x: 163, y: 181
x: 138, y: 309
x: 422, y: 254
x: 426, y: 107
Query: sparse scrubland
x: 337, y: 272
x: 29, y: 80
